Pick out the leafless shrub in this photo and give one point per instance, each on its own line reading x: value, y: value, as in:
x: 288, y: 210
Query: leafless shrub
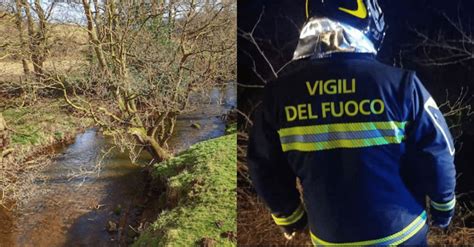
x: 147, y: 62
x: 458, y: 112
x: 441, y: 49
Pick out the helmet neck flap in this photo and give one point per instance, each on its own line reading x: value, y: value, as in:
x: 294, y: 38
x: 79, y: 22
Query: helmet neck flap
x: 321, y: 37
x: 334, y: 26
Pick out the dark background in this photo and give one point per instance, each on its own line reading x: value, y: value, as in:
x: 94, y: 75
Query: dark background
x: 277, y: 35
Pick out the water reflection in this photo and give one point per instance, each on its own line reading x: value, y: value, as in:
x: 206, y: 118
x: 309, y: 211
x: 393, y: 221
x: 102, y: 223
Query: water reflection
x: 208, y: 118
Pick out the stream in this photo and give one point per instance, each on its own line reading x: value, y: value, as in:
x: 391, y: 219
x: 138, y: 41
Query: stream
x: 82, y: 204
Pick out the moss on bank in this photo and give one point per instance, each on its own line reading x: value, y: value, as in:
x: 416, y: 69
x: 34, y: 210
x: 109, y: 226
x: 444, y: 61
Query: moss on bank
x: 200, y: 196
x: 45, y: 123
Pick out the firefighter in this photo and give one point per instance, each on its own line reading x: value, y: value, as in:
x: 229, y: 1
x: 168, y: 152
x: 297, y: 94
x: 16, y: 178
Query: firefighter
x: 366, y: 140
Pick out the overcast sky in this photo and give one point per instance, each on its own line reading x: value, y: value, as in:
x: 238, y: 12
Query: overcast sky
x: 65, y: 12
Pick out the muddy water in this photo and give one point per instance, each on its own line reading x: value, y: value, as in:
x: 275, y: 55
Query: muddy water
x: 86, y: 205
x: 78, y: 201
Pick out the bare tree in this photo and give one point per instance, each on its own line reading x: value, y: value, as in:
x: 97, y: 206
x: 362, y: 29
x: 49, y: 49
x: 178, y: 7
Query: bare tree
x: 441, y: 50
x: 149, y: 62
x: 31, y: 47
x: 24, y: 47
x: 37, y: 32
x: 23, y: 44
x: 268, y: 56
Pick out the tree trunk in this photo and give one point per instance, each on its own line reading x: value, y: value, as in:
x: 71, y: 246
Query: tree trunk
x: 31, y: 29
x: 153, y: 147
x: 38, y: 46
x: 158, y: 152
x: 19, y: 25
x: 169, y: 128
x: 41, y: 42
x: 93, y: 36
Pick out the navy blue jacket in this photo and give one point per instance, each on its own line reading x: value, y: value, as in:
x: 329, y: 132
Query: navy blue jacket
x: 367, y: 142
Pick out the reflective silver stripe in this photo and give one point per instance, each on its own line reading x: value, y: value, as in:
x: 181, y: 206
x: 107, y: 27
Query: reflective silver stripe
x: 431, y: 103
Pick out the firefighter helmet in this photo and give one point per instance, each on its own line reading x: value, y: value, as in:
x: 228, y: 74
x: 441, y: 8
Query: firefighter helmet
x: 364, y: 15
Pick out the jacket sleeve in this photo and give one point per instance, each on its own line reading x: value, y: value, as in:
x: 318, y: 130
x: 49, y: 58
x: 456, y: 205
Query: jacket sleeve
x: 433, y: 150
x: 271, y: 175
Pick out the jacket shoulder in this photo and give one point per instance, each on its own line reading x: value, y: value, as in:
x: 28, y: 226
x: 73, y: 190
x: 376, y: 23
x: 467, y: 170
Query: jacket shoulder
x: 392, y: 70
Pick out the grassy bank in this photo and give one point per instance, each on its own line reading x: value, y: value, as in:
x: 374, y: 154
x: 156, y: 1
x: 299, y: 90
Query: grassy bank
x: 45, y: 123
x: 200, y: 197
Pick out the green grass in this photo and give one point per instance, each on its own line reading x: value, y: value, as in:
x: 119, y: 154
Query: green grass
x: 44, y: 123
x: 231, y: 128
x: 203, y: 182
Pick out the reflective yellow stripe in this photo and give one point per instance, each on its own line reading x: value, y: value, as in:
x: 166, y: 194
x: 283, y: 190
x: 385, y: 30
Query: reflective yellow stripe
x: 355, y: 143
x: 340, y: 127
x: 394, y: 239
x: 448, y: 206
x: 341, y: 135
x: 411, y: 234
x: 293, y: 218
